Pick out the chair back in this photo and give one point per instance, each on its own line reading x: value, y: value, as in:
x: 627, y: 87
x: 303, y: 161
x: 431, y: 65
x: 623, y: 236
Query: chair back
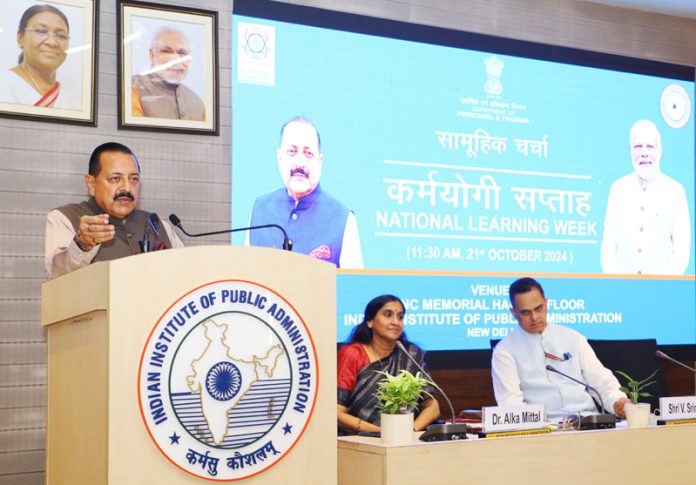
x: 637, y: 359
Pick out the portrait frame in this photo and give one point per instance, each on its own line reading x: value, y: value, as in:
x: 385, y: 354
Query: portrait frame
x: 148, y: 79
x: 73, y: 97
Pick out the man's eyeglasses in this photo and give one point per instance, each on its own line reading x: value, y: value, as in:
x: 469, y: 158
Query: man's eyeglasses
x: 42, y: 34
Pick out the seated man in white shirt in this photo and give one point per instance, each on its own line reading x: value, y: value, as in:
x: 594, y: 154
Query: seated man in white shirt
x: 107, y: 225
x: 520, y: 359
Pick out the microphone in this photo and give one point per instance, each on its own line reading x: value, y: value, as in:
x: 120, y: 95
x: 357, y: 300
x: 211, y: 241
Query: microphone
x: 664, y: 356
x: 152, y: 223
x: 596, y: 421
x: 287, y: 243
x: 438, y: 432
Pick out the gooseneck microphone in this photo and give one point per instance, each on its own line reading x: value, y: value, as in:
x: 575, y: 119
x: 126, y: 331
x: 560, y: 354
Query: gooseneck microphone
x: 597, y: 421
x: 438, y: 432
x: 287, y: 244
x: 588, y: 388
x: 664, y: 356
x: 151, y: 224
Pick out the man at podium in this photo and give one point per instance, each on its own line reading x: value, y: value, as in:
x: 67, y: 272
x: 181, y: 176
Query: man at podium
x: 521, y: 361
x: 107, y: 225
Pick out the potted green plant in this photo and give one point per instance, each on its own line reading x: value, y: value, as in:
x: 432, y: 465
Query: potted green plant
x: 397, y: 398
x: 637, y: 413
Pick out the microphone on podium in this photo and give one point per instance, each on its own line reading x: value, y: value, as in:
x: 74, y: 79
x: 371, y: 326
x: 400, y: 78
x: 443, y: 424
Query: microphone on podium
x: 594, y: 421
x: 151, y: 224
x: 287, y: 244
x: 438, y: 432
x: 664, y: 356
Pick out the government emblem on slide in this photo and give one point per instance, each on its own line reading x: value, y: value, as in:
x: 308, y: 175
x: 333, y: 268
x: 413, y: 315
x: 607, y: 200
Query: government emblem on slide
x: 494, y: 71
x: 227, y: 380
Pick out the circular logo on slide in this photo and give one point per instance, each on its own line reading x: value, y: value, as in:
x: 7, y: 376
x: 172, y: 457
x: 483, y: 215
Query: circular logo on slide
x: 675, y: 106
x: 256, y: 45
x: 227, y: 380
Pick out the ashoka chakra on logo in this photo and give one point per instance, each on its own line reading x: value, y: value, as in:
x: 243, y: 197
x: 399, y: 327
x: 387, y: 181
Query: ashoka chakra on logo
x: 223, y: 381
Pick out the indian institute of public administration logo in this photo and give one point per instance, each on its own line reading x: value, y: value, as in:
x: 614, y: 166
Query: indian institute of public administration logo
x: 227, y: 380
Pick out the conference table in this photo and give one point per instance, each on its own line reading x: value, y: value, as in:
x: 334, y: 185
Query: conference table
x: 656, y: 455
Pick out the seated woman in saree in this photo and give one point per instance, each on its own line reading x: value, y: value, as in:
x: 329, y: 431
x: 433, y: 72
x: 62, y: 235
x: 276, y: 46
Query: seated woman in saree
x: 42, y: 37
x: 372, y: 348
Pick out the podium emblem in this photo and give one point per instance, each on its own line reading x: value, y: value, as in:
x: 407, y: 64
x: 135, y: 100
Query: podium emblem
x: 227, y: 380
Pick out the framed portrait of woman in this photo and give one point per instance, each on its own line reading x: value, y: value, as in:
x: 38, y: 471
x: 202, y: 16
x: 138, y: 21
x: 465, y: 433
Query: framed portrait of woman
x: 48, y: 60
x: 168, y: 68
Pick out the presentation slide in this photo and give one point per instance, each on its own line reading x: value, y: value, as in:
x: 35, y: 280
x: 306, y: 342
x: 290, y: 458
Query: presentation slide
x: 449, y: 165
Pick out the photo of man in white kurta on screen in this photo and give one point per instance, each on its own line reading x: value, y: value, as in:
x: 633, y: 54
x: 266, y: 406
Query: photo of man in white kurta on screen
x: 647, y: 229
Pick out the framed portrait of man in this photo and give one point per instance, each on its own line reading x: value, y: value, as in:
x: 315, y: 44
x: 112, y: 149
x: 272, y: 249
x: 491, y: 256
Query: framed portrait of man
x: 168, y: 69
x: 48, y: 60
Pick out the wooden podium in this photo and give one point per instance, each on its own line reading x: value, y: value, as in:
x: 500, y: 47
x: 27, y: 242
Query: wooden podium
x: 99, y: 320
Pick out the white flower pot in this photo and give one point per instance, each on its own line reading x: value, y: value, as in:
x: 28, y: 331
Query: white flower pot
x: 396, y: 429
x: 637, y: 415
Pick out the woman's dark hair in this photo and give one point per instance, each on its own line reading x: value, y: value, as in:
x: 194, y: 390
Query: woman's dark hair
x: 362, y: 333
x: 35, y: 10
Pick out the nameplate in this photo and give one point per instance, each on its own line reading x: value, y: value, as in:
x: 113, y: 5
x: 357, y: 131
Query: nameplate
x: 676, y: 422
x: 513, y: 418
x: 682, y: 407
x: 507, y: 434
